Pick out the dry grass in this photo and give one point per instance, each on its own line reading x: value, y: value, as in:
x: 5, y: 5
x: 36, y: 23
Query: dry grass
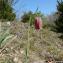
x: 43, y: 44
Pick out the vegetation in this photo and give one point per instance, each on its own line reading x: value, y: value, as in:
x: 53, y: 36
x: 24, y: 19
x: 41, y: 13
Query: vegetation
x: 6, y: 10
x: 43, y: 44
x: 4, y: 38
x: 21, y: 43
x: 59, y: 21
x: 26, y: 16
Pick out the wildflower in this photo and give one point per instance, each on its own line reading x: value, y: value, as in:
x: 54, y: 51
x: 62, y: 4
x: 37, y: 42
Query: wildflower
x: 38, y: 23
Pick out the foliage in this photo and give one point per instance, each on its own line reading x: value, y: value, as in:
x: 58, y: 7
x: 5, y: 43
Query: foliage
x: 59, y: 21
x: 4, y: 36
x: 26, y: 16
x: 6, y: 10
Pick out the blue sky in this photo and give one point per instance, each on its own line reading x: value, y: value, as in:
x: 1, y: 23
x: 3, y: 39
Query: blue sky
x: 45, y: 6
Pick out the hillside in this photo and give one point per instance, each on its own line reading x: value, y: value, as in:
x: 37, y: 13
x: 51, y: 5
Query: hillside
x: 41, y: 45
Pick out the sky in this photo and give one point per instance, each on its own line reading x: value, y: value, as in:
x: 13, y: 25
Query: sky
x: 45, y: 6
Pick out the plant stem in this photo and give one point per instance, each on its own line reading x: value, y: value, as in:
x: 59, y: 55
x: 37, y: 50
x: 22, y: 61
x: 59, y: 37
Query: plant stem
x: 27, y: 44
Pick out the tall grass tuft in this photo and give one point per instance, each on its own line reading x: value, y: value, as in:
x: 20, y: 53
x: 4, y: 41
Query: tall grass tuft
x: 4, y: 37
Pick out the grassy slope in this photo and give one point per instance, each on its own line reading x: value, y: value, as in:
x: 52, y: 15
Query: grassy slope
x: 43, y: 44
